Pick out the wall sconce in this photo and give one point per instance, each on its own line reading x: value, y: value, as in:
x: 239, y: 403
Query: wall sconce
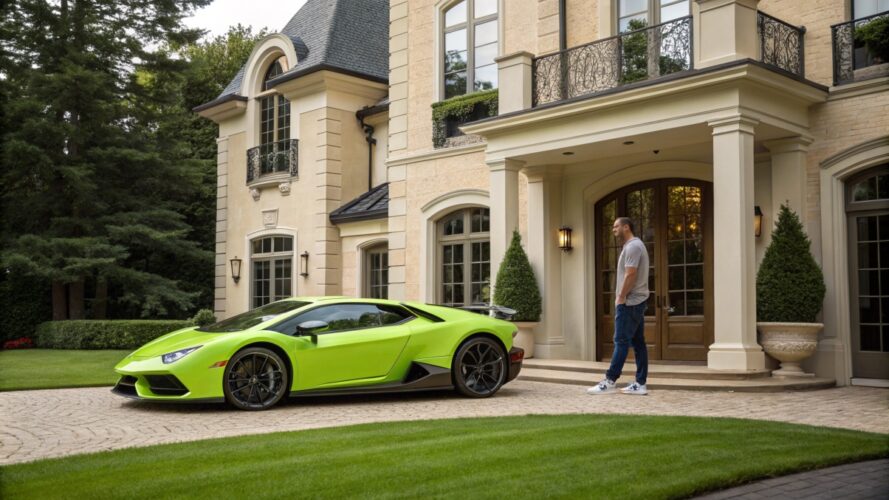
x: 304, y: 264
x: 757, y: 221
x: 236, y: 268
x: 565, y: 238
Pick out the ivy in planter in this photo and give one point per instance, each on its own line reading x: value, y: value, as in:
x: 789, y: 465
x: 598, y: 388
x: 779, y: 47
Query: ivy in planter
x: 516, y: 286
x: 789, y: 285
x: 459, y: 110
x: 874, y: 35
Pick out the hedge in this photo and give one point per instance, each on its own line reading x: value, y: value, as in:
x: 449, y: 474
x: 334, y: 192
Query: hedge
x: 103, y: 334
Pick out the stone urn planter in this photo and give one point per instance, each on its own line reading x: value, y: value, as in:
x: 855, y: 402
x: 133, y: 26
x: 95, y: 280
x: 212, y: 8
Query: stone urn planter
x: 789, y: 343
x: 525, y: 337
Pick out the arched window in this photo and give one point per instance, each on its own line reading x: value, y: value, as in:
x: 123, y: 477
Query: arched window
x: 464, y: 256
x: 470, y: 46
x: 376, y: 270
x: 274, y: 123
x: 271, y: 264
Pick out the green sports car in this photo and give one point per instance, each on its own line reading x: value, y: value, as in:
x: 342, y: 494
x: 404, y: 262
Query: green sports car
x: 324, y: 345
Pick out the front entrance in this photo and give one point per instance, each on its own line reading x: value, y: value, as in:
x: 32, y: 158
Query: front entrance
x: 674, y: 218
x: 867, y: 209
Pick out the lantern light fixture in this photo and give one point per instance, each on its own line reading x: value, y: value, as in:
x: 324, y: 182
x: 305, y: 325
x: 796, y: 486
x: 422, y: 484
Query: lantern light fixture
x: 304, y: 264
x: 236, y: 268
x: 565, y: 238
x: 757, y: 221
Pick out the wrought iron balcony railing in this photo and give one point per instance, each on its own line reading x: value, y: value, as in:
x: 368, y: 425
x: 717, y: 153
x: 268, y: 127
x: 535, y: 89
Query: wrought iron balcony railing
x: 781, y: 44
x: 634, y: 56
x: 275, y: 157
x: 859, y: 47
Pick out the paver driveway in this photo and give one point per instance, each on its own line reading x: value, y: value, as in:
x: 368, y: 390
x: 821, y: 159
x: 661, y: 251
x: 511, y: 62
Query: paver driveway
x: 52, y: 423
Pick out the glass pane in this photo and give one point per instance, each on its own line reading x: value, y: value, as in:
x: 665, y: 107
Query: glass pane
x: 675, y: 253
x: 455, y: 41
x: 458, y: 294
x: 868, y: 283
x: 288, y: 244
x: 481, y: 220
x: 633, y: 23
x: 870, y: 337
x: 640, y: 208
x: 677, y: 278
x: 693, y: 226
x: 868, y: 310
x: 607, y: 303
x: 453, y: 224
x: 632, y: 7
x: 694, y: 303
x: 694, y: 251
x: 486, y: 77
x: 266, y: 245
x: 883, y: 187
x: 609, y: 213
x: 884, y: 227
x: 257, y: 246
x: 455, y: 84
x: 485, y: 7
x: 885, y: 338
x: 677, y: 227
x: 865, y: 190
x: 694, y: 277
x: 674, y: 11
x: 677, y: 304
x: 884, y: 254
x: 456, y: 14
x: 650, y: 309
x: 485, y: 33
x: 485, y: 54
x: 867, y: 228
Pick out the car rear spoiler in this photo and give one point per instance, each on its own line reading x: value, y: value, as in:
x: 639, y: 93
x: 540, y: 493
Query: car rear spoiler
x: 499, y: 312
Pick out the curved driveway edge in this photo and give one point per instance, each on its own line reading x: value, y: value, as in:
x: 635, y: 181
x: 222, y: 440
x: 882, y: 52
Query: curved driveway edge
x: 60, y: 422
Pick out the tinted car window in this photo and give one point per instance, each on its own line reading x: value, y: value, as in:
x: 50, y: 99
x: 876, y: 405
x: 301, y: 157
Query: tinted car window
x: 339, y: 317
x: 390, y: 315
x: 253, y: 317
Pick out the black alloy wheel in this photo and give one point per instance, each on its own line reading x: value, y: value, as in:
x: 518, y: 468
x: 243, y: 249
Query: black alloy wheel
x: 255, y: 379
x: 479, y: 367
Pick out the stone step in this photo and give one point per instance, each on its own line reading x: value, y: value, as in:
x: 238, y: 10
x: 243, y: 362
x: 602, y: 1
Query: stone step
x: 655, y: 370
x: 763, y: 384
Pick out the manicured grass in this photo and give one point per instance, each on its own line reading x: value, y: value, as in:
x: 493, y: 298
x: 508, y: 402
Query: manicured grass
x: 49, y: 368
x: 565, y: 456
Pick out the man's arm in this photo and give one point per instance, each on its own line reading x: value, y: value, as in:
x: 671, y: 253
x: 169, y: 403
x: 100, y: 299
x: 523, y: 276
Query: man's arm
x: 627, y: 285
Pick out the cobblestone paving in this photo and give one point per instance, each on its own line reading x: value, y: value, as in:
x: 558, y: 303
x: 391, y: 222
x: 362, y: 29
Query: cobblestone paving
x: 58, y: 422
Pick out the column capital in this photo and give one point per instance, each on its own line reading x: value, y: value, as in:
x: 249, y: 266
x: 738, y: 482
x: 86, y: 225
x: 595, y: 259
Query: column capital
x: 736, y: 123
x: 504, y: 164
x: 789, y: 144
x: 540, y: 173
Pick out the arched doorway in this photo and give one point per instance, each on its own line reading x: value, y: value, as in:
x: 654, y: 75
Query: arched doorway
x: 867, y: 209
x: 674, y: 218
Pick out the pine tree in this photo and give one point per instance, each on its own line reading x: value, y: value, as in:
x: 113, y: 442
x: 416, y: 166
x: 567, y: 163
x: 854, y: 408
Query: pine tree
x: 789, y: 285
x: 84, y: 177
x: 516, y: 286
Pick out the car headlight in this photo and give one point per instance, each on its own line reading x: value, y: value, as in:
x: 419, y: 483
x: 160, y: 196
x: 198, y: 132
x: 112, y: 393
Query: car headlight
x: 172, y: 357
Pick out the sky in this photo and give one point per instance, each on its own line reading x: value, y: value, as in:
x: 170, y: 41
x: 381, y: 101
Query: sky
x: 221, y: 14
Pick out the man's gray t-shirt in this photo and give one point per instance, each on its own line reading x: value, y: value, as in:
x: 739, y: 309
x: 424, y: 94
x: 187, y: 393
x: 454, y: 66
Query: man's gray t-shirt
x: 635, y: 255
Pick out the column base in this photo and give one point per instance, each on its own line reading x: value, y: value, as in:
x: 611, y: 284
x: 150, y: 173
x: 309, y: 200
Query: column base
x: 551, y: 350
x: 736, y: 357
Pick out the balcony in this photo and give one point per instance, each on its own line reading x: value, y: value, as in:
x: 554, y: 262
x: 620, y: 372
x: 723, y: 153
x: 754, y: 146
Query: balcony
x: 279, y: 157
x: 861, y: 49
x: 781, y: 45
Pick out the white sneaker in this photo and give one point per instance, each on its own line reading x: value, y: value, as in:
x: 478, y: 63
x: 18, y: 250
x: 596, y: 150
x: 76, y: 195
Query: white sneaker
x: 604, y: 387
x: 636, y: 389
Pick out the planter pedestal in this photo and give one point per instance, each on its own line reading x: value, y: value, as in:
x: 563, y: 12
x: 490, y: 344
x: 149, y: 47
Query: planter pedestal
x: 525, y: 337
x: 789, y: 343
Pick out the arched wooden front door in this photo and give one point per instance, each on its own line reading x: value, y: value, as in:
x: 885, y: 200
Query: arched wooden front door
x: 674, y: 218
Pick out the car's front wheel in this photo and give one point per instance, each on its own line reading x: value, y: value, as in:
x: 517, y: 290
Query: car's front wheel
x: 255, y: 379
x: 479, y: 367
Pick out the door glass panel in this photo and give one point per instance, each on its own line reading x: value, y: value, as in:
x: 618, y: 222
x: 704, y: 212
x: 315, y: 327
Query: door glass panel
x: 685, y: 255
x: 610, y: 252
x: 641, y: 210
x: 873, y: 282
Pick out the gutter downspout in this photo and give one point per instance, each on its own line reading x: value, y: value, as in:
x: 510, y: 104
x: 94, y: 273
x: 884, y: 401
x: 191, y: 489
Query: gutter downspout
x: 369, y: 137
x: 563, y: 25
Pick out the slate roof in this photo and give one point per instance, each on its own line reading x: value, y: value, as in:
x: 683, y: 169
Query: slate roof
x: 373, y: 204
x: 348, y: 36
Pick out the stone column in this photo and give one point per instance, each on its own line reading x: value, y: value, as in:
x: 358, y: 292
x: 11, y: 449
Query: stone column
x: 789, y: 175
x: 504, y: 176
x: 734, y: 293
x: 514, y: 75
x: 544, y: 219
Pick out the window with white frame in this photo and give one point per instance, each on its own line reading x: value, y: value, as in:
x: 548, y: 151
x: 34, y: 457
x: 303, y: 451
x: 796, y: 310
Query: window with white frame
x: 376, y: 265
x: 464, y: 256
x: 271, y: 264
x: 470, y: 35
x: 637, y: 14
x: 274, y: 121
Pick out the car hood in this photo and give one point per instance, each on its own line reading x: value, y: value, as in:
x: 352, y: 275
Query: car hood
x: 180, y: 339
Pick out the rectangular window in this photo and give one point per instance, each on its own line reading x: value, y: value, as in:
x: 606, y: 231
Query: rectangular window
x: 378, y: 274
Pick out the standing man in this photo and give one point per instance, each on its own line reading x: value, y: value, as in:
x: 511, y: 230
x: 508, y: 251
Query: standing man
x: 629, y: 311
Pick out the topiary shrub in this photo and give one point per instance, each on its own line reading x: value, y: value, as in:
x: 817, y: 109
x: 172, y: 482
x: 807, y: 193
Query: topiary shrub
x: 204, y: 317
x: 789, y: 284
x: 516, y: 287
x: 104, y: 334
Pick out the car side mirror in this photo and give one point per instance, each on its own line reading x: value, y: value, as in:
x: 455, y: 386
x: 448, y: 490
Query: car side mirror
x: 311, y: 329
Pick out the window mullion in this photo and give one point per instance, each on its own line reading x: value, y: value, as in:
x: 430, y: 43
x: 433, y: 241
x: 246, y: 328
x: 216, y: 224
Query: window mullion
x: 470, y: 50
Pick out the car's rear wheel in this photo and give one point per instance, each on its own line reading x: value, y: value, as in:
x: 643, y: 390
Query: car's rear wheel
x: 479, y: 367
x: 255, y: 379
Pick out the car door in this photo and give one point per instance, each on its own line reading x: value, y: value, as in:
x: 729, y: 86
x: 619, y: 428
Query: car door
x: 361, y: 345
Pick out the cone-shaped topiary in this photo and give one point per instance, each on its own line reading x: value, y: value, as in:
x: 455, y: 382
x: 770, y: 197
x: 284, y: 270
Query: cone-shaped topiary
x: 789, y: 284
x: 516, y: 287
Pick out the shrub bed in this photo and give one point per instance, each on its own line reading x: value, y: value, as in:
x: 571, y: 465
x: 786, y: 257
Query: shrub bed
x: 104, y: 334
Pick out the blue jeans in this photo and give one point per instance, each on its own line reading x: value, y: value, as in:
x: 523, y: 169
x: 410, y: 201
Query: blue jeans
x: 629, y: 328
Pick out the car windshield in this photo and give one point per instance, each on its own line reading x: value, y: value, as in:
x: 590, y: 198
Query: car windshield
x: 254, y: 317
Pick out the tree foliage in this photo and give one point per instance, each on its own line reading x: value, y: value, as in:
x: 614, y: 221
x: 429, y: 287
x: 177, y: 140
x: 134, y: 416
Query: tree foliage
x: 516, y: 286
x: 789, y: 284
x: 108, y: 178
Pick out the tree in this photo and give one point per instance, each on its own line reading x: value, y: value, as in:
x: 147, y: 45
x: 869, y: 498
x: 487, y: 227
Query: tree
x: 85, y: 173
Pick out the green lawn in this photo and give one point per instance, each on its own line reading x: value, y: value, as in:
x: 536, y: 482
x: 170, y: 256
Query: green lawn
x: 49, y: 368
x: 566, y: 456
